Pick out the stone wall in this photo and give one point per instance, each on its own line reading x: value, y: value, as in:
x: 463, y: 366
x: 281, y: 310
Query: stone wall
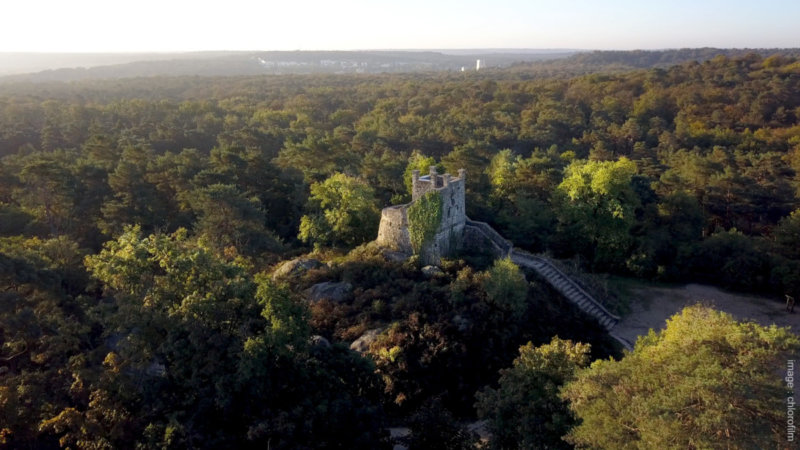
x: 393, y: 230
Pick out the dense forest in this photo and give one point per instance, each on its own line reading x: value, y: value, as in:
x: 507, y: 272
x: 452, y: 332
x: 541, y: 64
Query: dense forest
x: 142, y: 222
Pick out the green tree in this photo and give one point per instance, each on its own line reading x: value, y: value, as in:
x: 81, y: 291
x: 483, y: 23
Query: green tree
x: 45, y: 336
x: 432, y: 426
x: 49, y: 191
x: 227, y: 218
x: 207, y: 355
x: 506, y: 288
x: 787, y: 236
x: 135, y: 201
x: 706, y: 381
x: 599, y: 208
x: 525, y: 411
x: 342, y: 210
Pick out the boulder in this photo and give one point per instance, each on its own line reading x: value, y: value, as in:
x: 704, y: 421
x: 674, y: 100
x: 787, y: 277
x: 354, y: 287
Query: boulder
x: 296, y: 267
x: 431, y: 271
x: 319, y: 341
x: 335, y: 292
x: 463, y: 324
x: 393, y: 255
x: 362, y: 344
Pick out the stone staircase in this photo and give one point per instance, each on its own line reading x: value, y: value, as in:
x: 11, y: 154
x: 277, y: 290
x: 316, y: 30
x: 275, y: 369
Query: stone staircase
x: 565, y: 285
x: 501, y: 246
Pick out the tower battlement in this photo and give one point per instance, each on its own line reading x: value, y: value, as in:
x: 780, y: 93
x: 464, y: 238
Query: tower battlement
x: 422, y: 184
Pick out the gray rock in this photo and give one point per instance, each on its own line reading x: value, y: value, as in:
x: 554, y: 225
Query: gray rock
x: 394, y: 255
x: 335, y: 292
x: 461, y: 323
x: 156, y: 370
x: 431, y: 271
x: 319, y: 341
x: 295, y: 267
x: 362, y: 344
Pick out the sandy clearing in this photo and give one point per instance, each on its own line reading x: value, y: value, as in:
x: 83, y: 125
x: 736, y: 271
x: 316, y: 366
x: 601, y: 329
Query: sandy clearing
x: 654, y: 305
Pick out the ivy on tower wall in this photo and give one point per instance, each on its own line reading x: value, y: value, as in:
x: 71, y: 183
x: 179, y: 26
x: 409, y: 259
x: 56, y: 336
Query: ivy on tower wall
x: 424, y: 218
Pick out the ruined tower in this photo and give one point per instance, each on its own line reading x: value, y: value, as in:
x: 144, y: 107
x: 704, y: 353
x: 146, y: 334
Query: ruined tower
x: 393, y: 231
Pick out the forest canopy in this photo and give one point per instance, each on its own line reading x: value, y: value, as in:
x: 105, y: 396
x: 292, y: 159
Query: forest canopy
x: 142, y: 221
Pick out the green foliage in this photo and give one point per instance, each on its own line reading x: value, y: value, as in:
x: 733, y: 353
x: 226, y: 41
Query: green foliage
x: 45, y: 339
x: 424, y: 219
x: 433, y: 426
x: 729, y: 258
x: 506, y: 288
x: 599, y: 205
x: 176, y: 342
x: 228, y: 219
x: 787, y: 236
x: 343, y: 211
x: 287, y: 320
x: 525, y: 411
x: 205, y: 346
x: 708, y: 381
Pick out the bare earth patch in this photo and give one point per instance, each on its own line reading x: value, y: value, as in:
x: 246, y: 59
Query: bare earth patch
x: 652, y: 306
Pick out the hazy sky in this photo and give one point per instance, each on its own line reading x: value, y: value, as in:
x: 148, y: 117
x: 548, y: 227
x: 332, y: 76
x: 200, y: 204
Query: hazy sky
x: 183, y: 25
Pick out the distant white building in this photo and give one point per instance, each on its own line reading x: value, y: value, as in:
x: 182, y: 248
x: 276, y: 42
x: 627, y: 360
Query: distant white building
x: 478, y: 65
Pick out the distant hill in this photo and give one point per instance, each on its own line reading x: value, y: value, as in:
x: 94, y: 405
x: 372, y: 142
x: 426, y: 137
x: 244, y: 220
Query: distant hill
x: 15, y: 63
x: 84, y: 67
x: 523, y: 62
x: 616, y: 61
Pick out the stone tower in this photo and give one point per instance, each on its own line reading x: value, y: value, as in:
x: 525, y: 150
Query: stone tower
x: 393, y: 231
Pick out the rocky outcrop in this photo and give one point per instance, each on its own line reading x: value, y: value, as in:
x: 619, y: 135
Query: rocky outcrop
x: 329, y: 290
x: 318, y: 341
x: 296, y: 267
x: 431, y: 271
x: 362, y: 344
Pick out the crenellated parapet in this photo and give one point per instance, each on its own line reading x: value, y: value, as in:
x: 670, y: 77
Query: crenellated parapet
x: 434, y: 181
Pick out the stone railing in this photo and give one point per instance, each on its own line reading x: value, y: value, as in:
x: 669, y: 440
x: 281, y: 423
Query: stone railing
x: 503, y: 245
x: 566, y: 286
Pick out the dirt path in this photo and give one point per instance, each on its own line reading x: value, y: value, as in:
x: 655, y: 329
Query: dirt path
x: 656, y: 304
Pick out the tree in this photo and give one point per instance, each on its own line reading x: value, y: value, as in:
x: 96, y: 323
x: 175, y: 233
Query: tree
x: 230, y: 219
x: 433, y: 426
x: 787, y: 236
x: 599, y: 200
x: 136, y: 201
x: 207, y: 355
x: 706, y: 381
x: 342, y: 211
x: 520, y: 196
x: 525, y: 411
x: 506, y: 288
x: 45, y: 335
x: 49, y: 191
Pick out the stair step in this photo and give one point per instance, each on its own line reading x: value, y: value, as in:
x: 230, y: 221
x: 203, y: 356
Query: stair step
x: 563, y: 284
